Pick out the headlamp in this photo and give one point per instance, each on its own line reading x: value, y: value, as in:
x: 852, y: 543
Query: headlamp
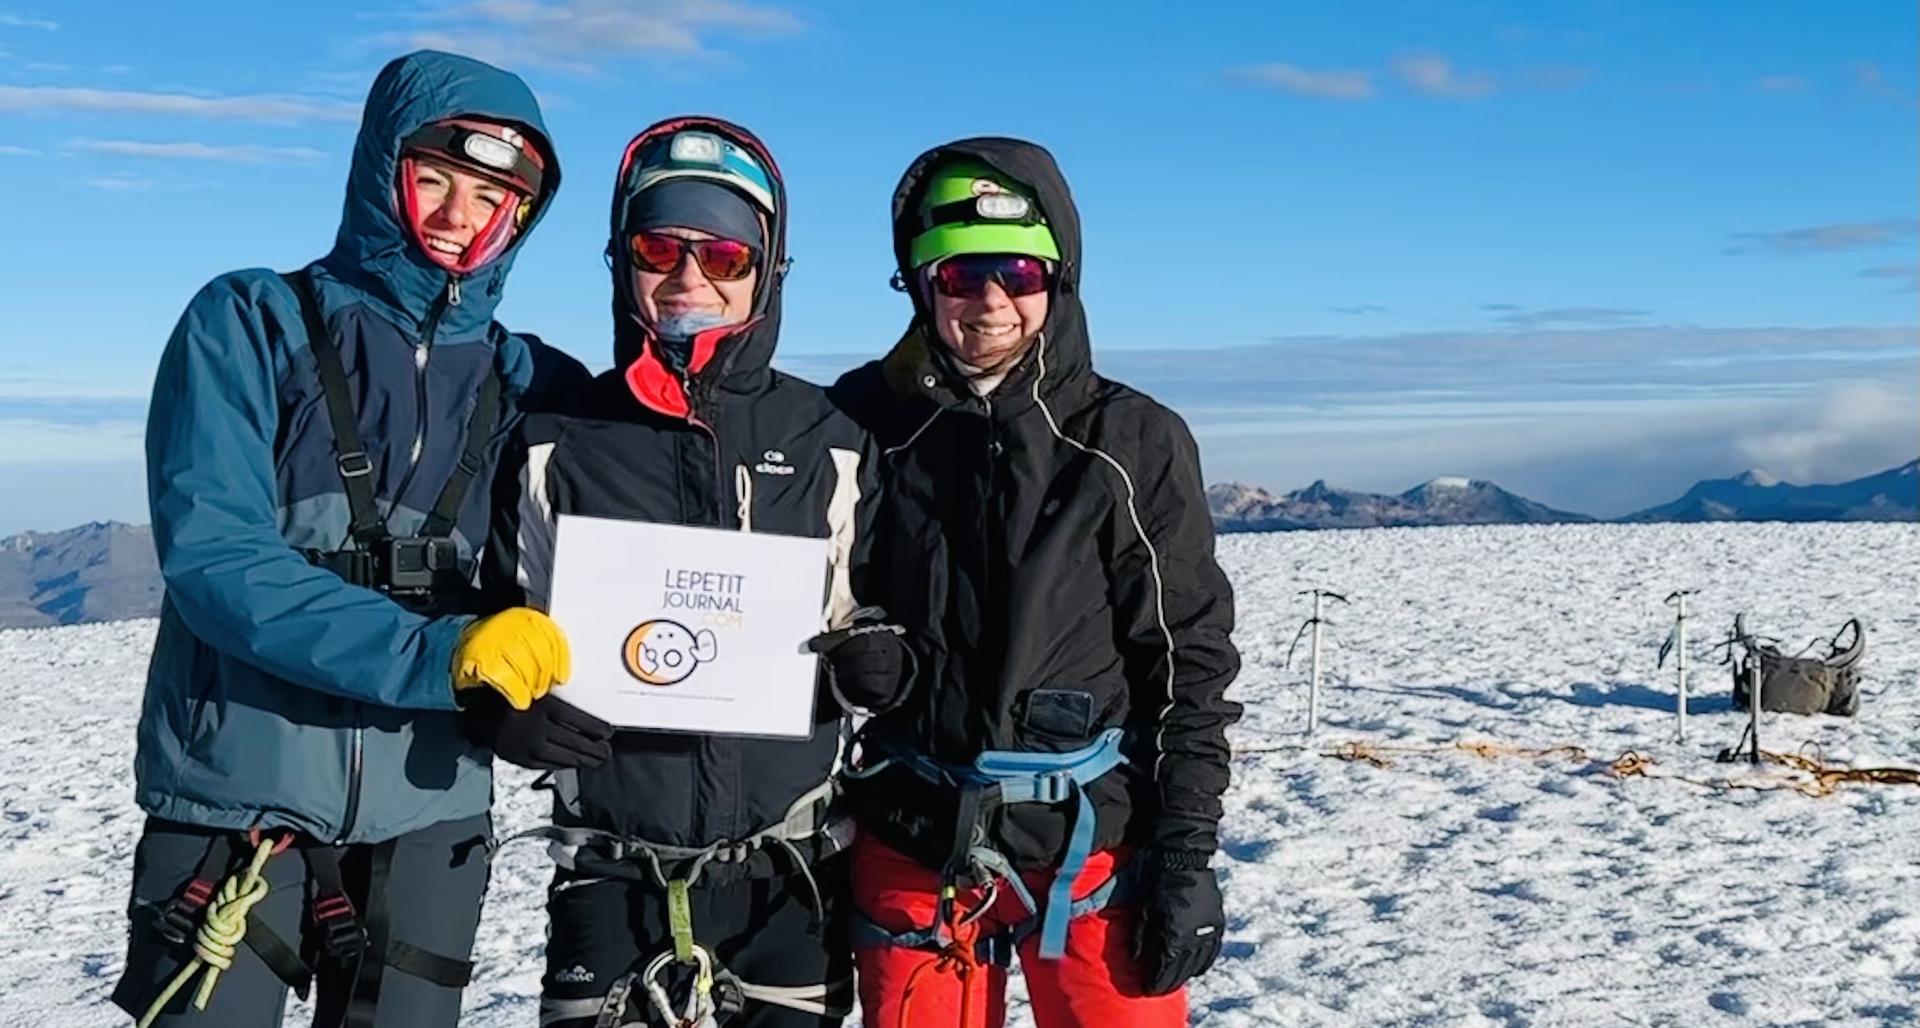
x: 1006, y: 208
x: 494, y: 153
x: 502, y: 160
x: 696, y: 148
x: 1001, y: 206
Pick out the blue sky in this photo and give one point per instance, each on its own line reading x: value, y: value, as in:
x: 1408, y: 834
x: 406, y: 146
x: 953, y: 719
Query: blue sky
x: 1594, y: 251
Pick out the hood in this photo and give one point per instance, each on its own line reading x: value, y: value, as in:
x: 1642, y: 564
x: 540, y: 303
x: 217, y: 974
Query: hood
x: 374, y: 253
x: 733, y: 357
x: 920, y: 357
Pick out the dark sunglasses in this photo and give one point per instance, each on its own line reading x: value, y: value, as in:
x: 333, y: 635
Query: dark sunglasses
x: 723, y: 260
x: 965, y: 277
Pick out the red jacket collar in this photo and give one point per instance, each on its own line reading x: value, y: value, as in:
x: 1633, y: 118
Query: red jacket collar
x: 656, y: 386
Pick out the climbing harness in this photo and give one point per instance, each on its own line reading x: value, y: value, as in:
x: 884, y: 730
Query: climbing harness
x: 335, y: 937
x: 221, y: 930
x: 812, y: 830
x: 1000, y: 778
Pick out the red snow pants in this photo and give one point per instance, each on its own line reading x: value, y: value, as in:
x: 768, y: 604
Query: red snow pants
x: 1095, y: 985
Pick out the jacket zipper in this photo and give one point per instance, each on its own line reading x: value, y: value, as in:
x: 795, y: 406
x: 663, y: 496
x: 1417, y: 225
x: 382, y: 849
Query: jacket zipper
x: 720, y: 748
x: 357, y: 748
x: 421, y: 353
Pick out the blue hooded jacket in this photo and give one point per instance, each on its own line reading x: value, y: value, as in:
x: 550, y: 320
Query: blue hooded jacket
x: 279, y: 695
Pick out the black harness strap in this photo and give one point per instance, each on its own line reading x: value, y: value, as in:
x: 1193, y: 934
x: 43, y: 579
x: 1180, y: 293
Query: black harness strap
x: 364, y: 1004
x: 473, y: 458
x: 350, y: 454
x: 428, y: 966
x: 279, y: 957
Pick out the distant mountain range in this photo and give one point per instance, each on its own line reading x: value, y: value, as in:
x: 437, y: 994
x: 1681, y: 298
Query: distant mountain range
x: 1238, y: 507
x: 106, y: 570
x: 98, y: 572
x: 1892, y: 495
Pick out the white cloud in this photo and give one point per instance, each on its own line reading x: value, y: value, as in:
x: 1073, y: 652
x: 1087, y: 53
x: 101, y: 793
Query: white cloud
x: 18, y: 151
x: 1834, y: 238
x: 1326, y: 85
x: 1906, y: 277
x: 71, y: 99
x: 121, y: 182
x: 572, y: 35
x: 1433, y: 75
x: 244, y: 153
x: 14, y: 21
x: 1596, y: 316
x: 1780, y: 83
x: 1827, y: 429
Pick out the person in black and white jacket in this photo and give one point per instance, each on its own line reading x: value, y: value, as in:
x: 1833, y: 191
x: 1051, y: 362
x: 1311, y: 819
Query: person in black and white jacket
x: 693, y: 427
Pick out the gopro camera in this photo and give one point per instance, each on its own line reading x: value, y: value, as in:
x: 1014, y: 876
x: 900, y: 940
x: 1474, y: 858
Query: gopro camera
x: 410, y: 565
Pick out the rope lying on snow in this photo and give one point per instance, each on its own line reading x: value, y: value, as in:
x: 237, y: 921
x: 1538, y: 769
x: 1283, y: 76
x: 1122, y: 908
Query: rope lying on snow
x: 1374, y: 753
x: 1825, y: 779
x: 1810, y: 776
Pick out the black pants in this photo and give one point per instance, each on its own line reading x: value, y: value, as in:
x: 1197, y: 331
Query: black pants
x: 764, y: 931
x: 435, y: 880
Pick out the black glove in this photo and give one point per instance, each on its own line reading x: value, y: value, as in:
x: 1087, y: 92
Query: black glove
x: 1181, y: 921
x: 869, y: 667
x: 550, y: 735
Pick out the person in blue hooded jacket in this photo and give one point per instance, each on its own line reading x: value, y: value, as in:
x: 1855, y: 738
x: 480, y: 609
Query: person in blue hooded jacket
x: 317, y: 454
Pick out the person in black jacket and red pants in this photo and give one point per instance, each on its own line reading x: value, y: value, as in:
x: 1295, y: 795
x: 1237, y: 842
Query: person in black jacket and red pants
x: 1051, y: 786
x: 676, y: 850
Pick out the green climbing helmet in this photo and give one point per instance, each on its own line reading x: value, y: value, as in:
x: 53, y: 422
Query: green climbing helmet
x: 971, y: 208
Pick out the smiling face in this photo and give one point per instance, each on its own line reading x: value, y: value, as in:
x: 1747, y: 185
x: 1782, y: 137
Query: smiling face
x: 663, y: 652
x: 451, y: 208
x: 991, y: 331
x: 688, y: 290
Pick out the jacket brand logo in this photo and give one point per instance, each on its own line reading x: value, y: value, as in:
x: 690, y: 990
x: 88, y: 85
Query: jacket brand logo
x: 773, y: 462
x: 575, y: 975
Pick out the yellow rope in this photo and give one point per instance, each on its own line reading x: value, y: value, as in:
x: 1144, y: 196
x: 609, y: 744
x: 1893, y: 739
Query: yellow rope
x: 220, y: 934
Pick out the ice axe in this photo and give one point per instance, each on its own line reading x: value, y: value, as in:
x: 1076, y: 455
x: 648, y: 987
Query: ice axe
x: 1314, y: 623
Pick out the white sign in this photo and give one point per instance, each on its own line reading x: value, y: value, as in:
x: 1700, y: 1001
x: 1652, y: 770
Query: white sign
x: 685, y: 629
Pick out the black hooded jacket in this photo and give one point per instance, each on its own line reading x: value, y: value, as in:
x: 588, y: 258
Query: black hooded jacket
x: 733, y: 444
x: 1066, y: 545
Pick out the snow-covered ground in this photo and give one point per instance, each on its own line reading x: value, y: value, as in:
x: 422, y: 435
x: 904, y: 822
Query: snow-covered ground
x: 1445, y: 889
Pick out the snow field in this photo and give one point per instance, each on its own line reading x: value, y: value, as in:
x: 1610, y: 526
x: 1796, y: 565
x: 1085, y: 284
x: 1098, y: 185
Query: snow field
x: 1446, y: 889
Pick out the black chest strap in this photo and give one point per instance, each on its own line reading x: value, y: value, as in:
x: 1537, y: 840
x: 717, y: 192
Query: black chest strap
x: 366, y: 526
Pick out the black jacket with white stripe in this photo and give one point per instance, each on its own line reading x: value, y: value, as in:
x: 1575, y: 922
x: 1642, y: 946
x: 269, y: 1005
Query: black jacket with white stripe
x: 1063, y: 579
x: 731, y: 444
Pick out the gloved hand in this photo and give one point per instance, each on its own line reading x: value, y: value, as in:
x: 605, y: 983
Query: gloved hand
x: 519, y: 653
x: 869, y: 667
x: 1181, y: 921
x: 550, y: 735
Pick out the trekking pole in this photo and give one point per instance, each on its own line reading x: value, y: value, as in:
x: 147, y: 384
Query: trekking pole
x: 1313, y: 623
x: 1753, y: 709
x: 1677, y: 639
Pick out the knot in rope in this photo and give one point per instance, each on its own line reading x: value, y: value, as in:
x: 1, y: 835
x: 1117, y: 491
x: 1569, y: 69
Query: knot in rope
x: 221, y: 932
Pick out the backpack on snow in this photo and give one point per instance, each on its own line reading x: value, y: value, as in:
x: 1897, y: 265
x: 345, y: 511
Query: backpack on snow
x: 1800, y: 684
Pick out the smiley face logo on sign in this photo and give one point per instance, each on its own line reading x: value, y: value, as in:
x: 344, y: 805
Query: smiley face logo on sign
x: 663, y: 652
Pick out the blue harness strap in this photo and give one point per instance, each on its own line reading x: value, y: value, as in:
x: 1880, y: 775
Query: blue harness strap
x: 1020, y: 776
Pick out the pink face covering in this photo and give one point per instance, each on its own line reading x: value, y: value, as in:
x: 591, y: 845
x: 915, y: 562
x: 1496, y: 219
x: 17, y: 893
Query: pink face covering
x: 488, y: 243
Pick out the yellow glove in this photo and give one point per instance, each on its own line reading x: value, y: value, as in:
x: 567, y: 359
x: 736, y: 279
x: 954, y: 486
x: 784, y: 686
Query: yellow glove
x: 519, y: 653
